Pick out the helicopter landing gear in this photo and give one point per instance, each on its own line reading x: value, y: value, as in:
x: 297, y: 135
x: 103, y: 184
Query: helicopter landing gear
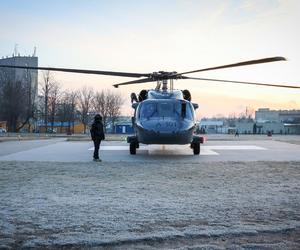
x: 195, y: 145
x: 196, y: 148
x: 132, y: 148
x: 133, y: 144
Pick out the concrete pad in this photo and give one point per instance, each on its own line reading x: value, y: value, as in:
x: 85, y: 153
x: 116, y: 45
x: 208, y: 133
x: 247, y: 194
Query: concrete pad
x: 65, y: 151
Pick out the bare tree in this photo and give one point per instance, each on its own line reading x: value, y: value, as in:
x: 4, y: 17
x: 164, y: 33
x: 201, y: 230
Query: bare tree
x: 115, y: 101
x: 62, y: 108
x: 85, y: 98
x: 250, y: 112
x: 247, y: 114
x: 54, y: 95
x: 46, y: 87
x: 70, y: 100
x: 108, y: 104
x: 100, y: 106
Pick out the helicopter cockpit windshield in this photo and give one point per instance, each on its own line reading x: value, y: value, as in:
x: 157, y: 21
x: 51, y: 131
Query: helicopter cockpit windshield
x: 174, y: 109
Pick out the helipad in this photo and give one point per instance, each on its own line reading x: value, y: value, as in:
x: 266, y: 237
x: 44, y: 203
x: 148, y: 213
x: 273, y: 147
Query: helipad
x: 181, y: 149
x: 66, y: 151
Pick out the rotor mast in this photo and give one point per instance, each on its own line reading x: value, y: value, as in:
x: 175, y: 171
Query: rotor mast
x: 165, y: 85
x: 164, y: 78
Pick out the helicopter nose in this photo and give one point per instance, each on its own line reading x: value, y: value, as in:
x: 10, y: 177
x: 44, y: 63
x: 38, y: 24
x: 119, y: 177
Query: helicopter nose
x: 168, y: 126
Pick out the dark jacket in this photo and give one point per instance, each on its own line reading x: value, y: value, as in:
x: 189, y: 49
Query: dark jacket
x: 97, y: 132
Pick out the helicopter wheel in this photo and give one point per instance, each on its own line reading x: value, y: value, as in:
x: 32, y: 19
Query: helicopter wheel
x: 196, y: 148
x: 132, y: 148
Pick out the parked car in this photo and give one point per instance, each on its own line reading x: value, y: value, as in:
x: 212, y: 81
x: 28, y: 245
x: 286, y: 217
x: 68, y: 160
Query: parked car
x: 51, y: 131
x: 2, y: 130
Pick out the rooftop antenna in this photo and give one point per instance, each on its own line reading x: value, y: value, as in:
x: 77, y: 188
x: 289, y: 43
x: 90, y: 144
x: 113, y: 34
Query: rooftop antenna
x: 16, y: 50
x: 34, y: 51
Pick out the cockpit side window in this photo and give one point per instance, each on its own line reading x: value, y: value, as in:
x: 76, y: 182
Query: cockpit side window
x: 147, y: 111
x: 186, y: 111
x: 189, y: 112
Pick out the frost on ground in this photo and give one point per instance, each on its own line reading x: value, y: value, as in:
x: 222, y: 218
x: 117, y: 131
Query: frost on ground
x: 179, y: 206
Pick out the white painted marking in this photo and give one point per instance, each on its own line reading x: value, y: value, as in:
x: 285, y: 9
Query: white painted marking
x: 118, y: 148
x: 161, y: 149
x: 176, y: 150
x: 235, y: 147
x: 181, y: 149
x: 205, y: 151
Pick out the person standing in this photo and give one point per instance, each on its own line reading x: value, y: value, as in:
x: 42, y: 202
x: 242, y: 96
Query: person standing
x: 236, y: 133
x: 97, y: 134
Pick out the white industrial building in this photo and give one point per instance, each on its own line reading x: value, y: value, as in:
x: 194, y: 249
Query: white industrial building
x: 266, y: 121
x: 278, y: 121
x: 212, y: 126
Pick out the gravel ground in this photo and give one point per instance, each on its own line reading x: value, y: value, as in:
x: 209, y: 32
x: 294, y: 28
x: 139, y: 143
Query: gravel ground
x: 221, y: 205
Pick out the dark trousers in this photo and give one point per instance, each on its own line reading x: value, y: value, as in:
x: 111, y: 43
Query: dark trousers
x: 96, y: 148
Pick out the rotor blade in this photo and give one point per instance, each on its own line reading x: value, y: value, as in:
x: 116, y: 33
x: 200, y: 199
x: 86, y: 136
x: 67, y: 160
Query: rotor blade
x: 135, y: 81
x: 264, y: 60
x: 81, y: 71
x: 250, y: 83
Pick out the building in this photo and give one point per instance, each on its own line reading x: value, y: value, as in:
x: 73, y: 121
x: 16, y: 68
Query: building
x: 212, y: 126
x: 124, y: 128
x: 75, y: 127
x: 289, y: 116
x: 120, y: 125
x: 263, y: 115
x: 3, y: 125
x: 266, y: 121
x: 19, y: 88
x: 244, y: 126
x: 277, y: 121
x: 23, y: 74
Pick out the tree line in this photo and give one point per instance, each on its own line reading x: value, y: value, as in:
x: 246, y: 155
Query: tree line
x: 21, y: 107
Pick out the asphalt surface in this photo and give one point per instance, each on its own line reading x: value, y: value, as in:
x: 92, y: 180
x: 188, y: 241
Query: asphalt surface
x: 10, y: 147
x: 60, y: 150
x: 238, y: 194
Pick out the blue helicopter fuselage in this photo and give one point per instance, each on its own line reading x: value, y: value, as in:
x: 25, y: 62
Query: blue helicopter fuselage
x: 164, y: 118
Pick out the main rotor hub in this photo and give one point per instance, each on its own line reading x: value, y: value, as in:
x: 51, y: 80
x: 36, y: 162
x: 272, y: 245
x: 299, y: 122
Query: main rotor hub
x: 164, y: 75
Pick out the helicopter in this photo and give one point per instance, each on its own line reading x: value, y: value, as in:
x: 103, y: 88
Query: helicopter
x: 165, y: 115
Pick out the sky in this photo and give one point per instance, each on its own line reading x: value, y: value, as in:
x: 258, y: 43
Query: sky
x: 146, y: 36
